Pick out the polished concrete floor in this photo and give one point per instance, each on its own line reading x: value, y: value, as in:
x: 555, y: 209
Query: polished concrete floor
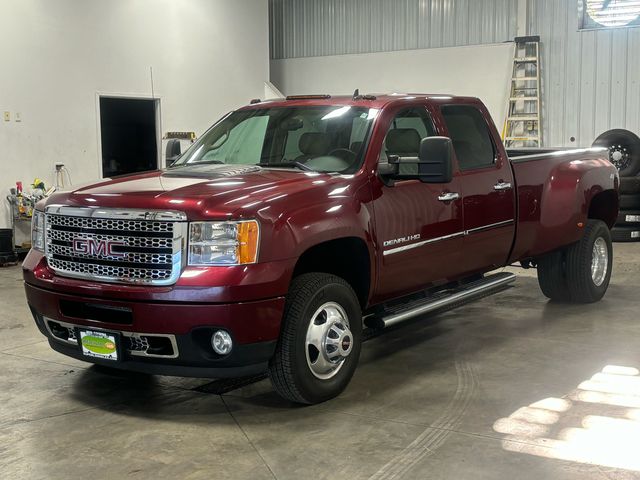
x: 510, y: 387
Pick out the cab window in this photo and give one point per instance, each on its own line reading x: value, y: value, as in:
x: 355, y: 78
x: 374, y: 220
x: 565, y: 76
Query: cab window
x: 403, y: 138
x: 470, y: 136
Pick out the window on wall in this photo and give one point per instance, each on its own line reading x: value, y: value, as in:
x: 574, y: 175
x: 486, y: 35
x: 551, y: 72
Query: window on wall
x: 598, y: 14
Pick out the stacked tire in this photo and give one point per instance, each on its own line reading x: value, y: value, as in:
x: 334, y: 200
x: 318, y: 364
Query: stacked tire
x: 627, y: 228
x: 624, y: 152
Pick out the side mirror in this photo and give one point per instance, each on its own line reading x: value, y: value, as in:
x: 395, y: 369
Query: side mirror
x: 435, y: 164
x: 173, y: 151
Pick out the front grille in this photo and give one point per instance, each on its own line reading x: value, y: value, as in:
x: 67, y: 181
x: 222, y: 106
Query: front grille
x: 127, y: 246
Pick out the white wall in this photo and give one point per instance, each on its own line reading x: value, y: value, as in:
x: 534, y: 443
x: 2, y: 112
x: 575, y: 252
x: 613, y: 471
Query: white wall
x: 481, y: 71
x: 208, y: 57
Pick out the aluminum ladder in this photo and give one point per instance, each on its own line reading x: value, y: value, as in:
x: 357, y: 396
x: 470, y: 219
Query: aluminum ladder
x: 523, y: 126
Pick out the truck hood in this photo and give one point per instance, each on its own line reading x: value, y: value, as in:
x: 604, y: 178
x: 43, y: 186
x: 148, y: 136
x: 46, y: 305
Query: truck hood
x: 202, y: 191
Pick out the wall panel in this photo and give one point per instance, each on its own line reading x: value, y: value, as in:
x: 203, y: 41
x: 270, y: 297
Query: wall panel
x: 307, y: 28
x: 591, y: 79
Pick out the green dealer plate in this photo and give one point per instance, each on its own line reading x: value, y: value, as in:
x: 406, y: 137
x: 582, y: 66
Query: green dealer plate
x: 99, y: 344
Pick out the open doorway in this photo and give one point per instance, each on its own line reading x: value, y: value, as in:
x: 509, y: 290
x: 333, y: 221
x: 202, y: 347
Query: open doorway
x: 129, y: 135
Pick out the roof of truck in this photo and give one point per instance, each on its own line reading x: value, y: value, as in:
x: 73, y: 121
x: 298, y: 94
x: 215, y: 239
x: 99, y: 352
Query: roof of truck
x: 365, y: 100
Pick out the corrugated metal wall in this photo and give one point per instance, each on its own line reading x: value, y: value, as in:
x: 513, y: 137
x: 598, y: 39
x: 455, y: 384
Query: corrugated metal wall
x: 591, y: 79
x: 306, y: 28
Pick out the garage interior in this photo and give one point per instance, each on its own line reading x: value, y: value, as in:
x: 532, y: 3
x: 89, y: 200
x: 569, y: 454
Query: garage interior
x: 513, y: 385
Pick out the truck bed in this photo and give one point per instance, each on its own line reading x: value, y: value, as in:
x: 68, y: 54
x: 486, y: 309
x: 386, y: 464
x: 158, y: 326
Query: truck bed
x: 543, y: 176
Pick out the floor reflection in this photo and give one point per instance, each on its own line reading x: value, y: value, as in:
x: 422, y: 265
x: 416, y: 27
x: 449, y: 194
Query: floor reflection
x: 598, y: 423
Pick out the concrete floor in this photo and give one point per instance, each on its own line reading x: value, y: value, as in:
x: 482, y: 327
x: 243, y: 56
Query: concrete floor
x: 509, y: 387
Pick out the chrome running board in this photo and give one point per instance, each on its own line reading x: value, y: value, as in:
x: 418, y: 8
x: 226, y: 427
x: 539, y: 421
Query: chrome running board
x: 466, y: 293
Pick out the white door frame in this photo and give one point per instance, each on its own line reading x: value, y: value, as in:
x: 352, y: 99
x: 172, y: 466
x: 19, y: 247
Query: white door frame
x: 130, y: 96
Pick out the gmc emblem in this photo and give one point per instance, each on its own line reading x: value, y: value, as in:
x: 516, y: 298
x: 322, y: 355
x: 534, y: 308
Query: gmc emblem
x: 92, y: 246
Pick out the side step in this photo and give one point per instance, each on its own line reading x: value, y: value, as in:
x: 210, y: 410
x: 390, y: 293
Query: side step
x: 471, y: 291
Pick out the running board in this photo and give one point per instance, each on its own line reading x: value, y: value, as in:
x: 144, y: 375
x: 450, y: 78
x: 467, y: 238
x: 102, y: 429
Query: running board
x: 471, y: 291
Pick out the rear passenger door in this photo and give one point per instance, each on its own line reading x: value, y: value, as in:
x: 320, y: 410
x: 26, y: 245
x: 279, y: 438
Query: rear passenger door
x: 487, y: 187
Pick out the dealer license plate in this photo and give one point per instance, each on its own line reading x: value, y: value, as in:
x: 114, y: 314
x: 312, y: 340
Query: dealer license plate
x: 102, y: 345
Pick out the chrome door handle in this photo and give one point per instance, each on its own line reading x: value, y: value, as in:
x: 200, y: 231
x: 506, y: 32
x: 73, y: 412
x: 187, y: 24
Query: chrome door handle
x: 502, y: 186
x: 449, y: 197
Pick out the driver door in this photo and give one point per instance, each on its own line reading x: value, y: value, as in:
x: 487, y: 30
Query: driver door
x: 419, y: 226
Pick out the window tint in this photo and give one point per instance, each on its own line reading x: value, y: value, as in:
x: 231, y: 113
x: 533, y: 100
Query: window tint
x: 403, y: 139
x: 470, y: 136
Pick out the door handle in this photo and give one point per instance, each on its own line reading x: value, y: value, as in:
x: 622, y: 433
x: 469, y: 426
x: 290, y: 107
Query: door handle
x: 449, y: 197
x: 502, y: 186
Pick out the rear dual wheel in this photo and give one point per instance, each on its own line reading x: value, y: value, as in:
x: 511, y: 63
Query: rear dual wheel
x: 581, y: 272
x: 319, y: 344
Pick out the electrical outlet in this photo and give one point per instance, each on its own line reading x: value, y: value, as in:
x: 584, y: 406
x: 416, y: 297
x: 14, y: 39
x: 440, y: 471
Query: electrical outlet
x: 7, y: 116
x: 18, y: 117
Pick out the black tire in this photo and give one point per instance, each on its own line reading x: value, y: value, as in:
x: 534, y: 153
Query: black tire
x: 629, y: 185
x: 625, y: 144
x: 628, y: 218
x: 289, y: 372
x: 551, y: 277
x: 629, y: 202
x: 626, y: 234
x: 582, y: 286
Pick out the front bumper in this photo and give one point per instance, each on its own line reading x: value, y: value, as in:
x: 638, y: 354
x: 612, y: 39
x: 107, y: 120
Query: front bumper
x: 254, y: 327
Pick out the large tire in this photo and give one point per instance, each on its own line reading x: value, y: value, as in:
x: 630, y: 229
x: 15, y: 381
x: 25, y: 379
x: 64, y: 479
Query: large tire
x: 551, y: 276
x: 629, y: 185
x: 626, y: 234
x: 624, y: 150
x: 629, y: 202
x: 585, y: 285
x: 315, y: 302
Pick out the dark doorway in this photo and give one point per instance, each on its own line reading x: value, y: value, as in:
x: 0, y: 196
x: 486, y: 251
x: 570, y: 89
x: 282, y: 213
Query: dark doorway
x: 128, y: 135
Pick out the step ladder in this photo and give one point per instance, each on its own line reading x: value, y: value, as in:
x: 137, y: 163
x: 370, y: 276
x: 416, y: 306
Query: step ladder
x: 523, y: 127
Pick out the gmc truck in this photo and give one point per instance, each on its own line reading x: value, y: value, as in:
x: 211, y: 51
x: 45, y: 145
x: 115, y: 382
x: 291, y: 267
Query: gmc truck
x: 292, y: 225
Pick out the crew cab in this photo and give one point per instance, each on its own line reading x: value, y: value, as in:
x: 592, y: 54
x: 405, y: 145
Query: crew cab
x: 291, y: 225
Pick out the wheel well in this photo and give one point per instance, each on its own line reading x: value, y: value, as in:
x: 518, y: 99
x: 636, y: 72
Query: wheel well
x: 604, y: 206
x: 347, y: 258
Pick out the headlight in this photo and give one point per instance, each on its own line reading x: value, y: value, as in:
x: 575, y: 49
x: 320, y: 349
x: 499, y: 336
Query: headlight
x: 37, y: 231
x: 223, y: 243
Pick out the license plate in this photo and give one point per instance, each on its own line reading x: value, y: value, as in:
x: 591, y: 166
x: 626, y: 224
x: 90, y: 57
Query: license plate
x: 101, y: 345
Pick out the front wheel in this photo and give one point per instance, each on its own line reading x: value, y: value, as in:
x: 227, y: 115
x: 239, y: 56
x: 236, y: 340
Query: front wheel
x: 588, y: 264
x: 320, y: 340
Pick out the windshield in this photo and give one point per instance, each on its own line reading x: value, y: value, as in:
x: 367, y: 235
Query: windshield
x: 323, y: 139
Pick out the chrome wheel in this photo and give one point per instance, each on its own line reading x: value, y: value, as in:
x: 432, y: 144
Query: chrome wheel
x: 329, y: 341
x: 599, y: 261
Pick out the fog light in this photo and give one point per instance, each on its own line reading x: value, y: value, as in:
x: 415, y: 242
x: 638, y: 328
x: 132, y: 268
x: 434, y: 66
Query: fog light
x: 221, y: 342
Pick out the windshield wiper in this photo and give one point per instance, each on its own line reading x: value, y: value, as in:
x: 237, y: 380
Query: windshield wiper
x: 299, y: 165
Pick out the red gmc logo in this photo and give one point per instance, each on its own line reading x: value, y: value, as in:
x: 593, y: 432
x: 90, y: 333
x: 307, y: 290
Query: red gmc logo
x: 92, y: 246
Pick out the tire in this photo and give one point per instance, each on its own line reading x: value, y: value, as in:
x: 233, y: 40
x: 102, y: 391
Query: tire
x: 629, y: 202
x: 291, y: 370
x: 584, y: 287
x: 629, y: 185
x: 551, y: 276
x: 624, y: 150
x: 626, y: 234
x: 628, y: 218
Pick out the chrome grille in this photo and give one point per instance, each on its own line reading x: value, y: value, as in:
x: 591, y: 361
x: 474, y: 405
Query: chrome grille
x: 125, y: 246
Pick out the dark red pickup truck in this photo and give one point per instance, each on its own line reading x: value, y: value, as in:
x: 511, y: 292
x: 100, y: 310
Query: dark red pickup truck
x: 292, y: 225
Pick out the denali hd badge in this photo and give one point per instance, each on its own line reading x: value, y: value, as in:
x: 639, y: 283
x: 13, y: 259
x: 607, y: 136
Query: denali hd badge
x: 397, y: 241
x: 93, y: 246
